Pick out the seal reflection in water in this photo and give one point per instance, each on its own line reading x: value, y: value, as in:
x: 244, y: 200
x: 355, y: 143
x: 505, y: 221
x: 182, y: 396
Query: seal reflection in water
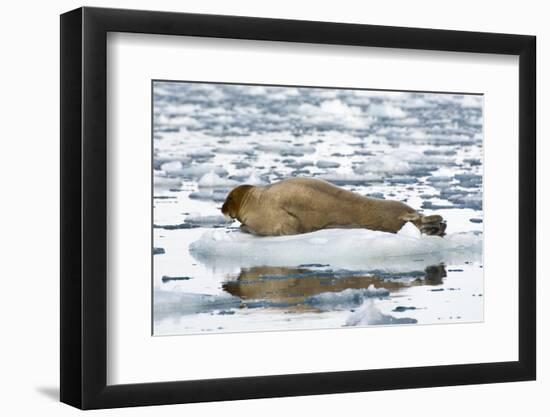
x: 291, y: 287
x: 303, y: 205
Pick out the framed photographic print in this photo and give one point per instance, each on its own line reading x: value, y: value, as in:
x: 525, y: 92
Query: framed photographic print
x: 259, y: 207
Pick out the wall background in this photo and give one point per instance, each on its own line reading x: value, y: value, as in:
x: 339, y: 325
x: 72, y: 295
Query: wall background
x: 29, y: 164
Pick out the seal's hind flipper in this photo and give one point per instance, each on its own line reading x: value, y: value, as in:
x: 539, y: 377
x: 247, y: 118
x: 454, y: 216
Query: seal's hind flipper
x: 429, y: 225
x: 432, y: 225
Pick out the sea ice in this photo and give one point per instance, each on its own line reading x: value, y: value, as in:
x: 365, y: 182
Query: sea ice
x: 209, y: 195
x: 369, y: 315
x: 236, y: 149
x: 327, y: 164
x: 172, y: 168
x: 409, y: 121
x: 334, y: 113
x: 285, y: 148
x: 197, y: 171
x: 383, y: 164
x: 201, y: 154
x: 342, y: 248
x: 213, y: 180
x: 385, y: 110
x: 254, y: 179
x: 206, y: 221
x: 351, y: 178
x: 164, y: 183
x: 417, y: 103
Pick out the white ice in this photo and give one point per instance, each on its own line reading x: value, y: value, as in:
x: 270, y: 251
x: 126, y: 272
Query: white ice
x: 334, y: 112
x: 285, y: 148
x: 386, y: 110
x: 351, y: 178
x: 172, y: 168
x: 343, y: 248
x: 197, y: 171
x: 254, y: 179
x: 212, y: 180
x: 236, y: 149
x: 384, y: 164
x: 205, y: 221
x: 164, y: 183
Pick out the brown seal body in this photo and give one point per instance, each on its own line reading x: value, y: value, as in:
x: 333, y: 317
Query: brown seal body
x: 303, y: 205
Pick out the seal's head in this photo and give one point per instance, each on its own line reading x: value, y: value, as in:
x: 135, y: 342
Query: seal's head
x: 234, y: 201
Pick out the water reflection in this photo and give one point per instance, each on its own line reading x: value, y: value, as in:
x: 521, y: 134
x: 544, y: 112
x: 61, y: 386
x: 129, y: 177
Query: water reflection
x: 434, y: 274
x: 325, y: 297
x: 304, y: 288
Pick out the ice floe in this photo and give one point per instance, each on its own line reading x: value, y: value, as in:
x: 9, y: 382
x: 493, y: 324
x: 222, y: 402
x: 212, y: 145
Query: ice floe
x: 369, y: 315
x: 172, y: 168
x: 165, y: 183
x: 254, y: 179
x: 236, y: 149
x: 206, y: 221
x: 197, y: 171
x: 334, y: 112
x: 215, y: 195
x: 285, y: 148
x: 352, y: 178
x: 417, y: 103
x: 342, y: 248
x: 385, y: 110
x: 213, y: 180
x: 327, y: 164
x: 384, y: 164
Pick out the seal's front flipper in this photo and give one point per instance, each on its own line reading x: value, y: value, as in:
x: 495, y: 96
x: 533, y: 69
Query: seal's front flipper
x: 245, y: 229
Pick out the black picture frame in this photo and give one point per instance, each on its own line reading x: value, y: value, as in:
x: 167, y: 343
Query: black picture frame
x: 84, y: 207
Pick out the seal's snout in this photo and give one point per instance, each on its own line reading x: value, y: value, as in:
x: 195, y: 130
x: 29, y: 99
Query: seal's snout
x: 226, y: 212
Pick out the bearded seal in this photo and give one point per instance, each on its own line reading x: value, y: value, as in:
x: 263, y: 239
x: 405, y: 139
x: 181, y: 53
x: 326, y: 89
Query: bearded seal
x: 302, y: 205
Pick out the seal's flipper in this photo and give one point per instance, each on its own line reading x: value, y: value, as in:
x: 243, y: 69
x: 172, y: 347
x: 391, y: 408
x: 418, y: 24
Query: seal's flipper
x: 245, y: 229
x: 429, y: 225
x: 433, y: 225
